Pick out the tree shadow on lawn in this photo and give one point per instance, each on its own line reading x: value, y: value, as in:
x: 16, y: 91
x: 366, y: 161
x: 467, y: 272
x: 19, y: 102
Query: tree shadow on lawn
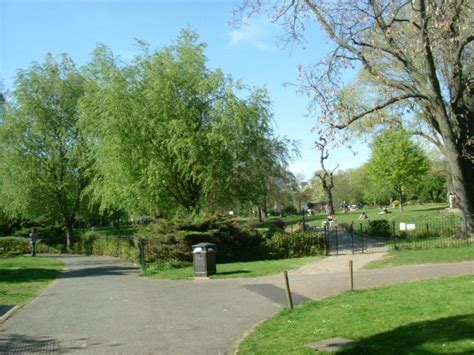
x: 28, y: 275
x: 436, y: 208
x: 412, y: 337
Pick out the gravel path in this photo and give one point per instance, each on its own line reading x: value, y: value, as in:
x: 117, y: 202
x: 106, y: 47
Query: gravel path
x: 99, y: 305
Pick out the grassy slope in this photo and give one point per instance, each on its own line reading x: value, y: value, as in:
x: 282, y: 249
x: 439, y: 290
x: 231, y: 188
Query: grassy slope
x: 409, y: 257
x: 232, y: 270
x: 427, y: 317
x: 23, y: 278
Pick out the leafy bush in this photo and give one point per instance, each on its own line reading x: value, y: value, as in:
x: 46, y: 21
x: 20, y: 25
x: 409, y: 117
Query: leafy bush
x: 49, y: 234
x: 47, y: 249
x: 14, y: 246
x: 295, y: 245
x: 93, y: 243
x: 289, y: 211
x: 276, y: 225
x: 174, y: 241
x: 379, y: 228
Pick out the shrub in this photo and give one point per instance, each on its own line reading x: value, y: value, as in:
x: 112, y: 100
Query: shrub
x: 289, y: 210
x: 234, y: 242
x: 379, y: 228
x: 14, y: 246
x: 49, y: 234
x: 276, y: 225
x: 295, y: 245
x: 93, y: 243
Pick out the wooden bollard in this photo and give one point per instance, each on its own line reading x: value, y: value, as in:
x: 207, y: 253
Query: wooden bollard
x: 351, y: 274
x: 288, y: 292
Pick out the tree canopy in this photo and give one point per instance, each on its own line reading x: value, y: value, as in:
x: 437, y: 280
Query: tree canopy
x: 41, y: 149
x: 397, y: 164
x: 168, y: 133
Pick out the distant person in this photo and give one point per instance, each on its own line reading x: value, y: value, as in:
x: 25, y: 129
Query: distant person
x: 33, y: 237
x: 363, y: 216
x: 452, y: 200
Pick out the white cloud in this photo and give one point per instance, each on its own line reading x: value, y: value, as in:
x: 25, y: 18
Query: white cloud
x: 255, y: 33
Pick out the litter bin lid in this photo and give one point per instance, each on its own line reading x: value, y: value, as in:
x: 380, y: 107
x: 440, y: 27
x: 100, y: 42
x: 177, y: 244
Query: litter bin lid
x: 204, y: 245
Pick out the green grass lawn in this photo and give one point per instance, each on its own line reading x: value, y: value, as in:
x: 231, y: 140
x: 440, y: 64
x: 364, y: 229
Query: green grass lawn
x: 426, y: 317
x: 232, y: 270
x: 409, y: 257
x: 22, y: 278
x: 410, y: 214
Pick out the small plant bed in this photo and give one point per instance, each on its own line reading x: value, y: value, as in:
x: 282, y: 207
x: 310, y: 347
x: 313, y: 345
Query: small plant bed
x: 229, y: 270
x: 426, y: 317
x: 22, y: 278
x: 425, y: 256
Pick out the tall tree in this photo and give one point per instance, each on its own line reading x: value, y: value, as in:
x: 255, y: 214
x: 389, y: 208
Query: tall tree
x: 41, y: 149
x: 397, y: 163
x: 168, y: 133
x: 417, y: 56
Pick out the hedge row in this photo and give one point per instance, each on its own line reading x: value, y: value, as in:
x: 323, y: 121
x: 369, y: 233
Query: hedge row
x: 14, y: 246
x: 92, y: 243
x: 172, y: 241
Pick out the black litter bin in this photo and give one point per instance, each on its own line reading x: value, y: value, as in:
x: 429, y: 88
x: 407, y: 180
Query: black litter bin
x: 204, y: 259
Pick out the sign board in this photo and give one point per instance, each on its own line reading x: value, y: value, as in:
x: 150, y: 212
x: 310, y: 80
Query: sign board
x: 403, y: 226
x: 411, y: 227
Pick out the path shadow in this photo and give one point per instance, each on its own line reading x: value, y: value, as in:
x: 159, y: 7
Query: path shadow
x: 28, y: 275
x: 276, y: 294
x: 25, y: 344
x: 99, y: 271
x: 413, y: 337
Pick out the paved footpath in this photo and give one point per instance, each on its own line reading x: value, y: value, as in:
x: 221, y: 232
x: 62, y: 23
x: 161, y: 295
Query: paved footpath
x: 99, y: 305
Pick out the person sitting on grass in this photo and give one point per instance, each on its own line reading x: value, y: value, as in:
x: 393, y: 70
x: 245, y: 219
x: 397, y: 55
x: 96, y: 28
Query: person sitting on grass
x: 363, y: 216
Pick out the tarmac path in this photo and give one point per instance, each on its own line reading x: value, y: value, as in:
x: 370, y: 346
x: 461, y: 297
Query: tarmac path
x: 99, y: 305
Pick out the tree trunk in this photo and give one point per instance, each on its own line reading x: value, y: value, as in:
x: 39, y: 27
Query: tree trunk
x: 461, y: 172
x: 329, y: 201
x: 259, y: 214
x: 68, y: 223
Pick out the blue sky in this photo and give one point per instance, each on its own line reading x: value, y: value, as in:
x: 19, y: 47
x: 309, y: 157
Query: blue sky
x: 31, y: 28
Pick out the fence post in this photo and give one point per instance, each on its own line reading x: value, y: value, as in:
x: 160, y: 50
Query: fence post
x: 351, y: 274
x: 141, y: 253
x: 288, y: 291
x: 326, y: 239
x: 362, y: 243
x: 393, y: 228
x: 337, y: 242
x: 352, y: 236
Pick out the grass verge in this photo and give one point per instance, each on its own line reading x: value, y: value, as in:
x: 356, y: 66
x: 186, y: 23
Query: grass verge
x: 426, y: 317
x: 23, y: 278
x: 429, y: 256
x: 230, y: 270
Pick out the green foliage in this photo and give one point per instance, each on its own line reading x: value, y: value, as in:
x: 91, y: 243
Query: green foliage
x: 50, y: 234
x: 289, y: 210
x: 295, y: 245
x: 14, y: 246
x: 41, y: 148
x: 168, y: 241
x: 276, y: 225
x: 379, y: 228
x: 168, y: 134
x: 397, y: 165
x: 92, y: 243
